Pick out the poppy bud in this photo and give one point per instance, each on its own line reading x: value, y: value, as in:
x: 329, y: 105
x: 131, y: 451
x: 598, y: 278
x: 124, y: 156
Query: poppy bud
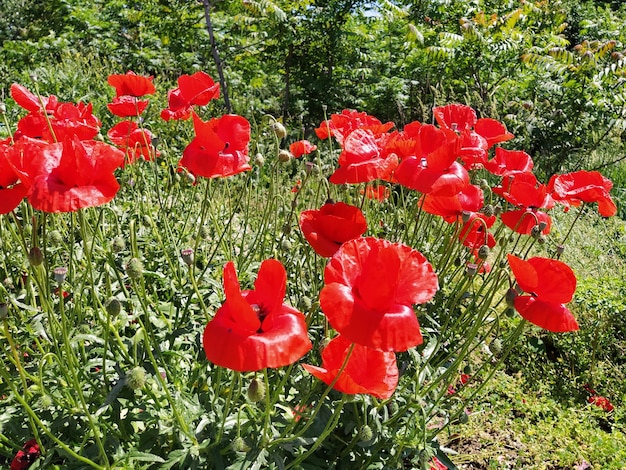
x: 259, y: 159
x: 136, y: 378
x: 190, y: 178
x: 535, y: 232
x: 55, y: 238
x: 510, y: 296
x: 305, y: 303
x: 286, y: 245
x: 510, y: 312
x: 59, y: 274
x: 497, y: 209
x: 286, y: 228
x: 4, y: 310
x: 484, y: 185
x: 197, y: 197
x: 284, y: 156
x: 541, y: 239
x: 146, y: 221
x: 35, y: 256
x: 240, y: 445
x: 113, y: 306
x: 256, y: 390
x: 310, y: 167
x: 204, y: 232
x: 187, y: 255
x: 365, y: 434
x: 118, y: 245
x: 45, y: 401
x: 463, y: 417
x: 488, y: 210
x: 3, y: 108
x: 483, y: 252
x: 495, y: 347
x: 134, y: 268
x: 278, y: 129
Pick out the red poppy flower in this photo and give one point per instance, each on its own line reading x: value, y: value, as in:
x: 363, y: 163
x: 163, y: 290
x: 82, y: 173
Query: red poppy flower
x: 601, y: 402
x: 436, y: 464
x: 68, y: 175
x: 11, y: 190
x: 65, y: 119
x: 456, y: 117
x: 341, y: 125
x: 584, y: 186
x: 197, y: 89
x: 438, y: 173
x: 473, y: 152
x: 470, y: 199
x: 254, y: 329
x: 220, y: 147
x: 26, y: 456
x: 327, y: 228
x: 493, y: 131
x: 370, y: 288
x: 551, y: 284
x: 363, y: 159
x: 31, y: 102
x: 522, y: 189
x: 368, y: 371
x: 301, y: 147
x: 127, y: 106
x: 378, y: 192
x: 474, y: 232
x: 131, y: 84
x: 509, y: 162
x: 136, y: 142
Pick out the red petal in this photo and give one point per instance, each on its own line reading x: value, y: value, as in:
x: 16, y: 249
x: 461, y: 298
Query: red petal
x: 550, y: 316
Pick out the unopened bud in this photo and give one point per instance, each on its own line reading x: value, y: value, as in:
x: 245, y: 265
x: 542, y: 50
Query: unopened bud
x: 55, y: 238
x: 118, y: 245
x: 3, y: 108
x: 113, y: 306
x: 365, y: 434
x: 134, y: 268
x: 259, y: 159
x: 495, y: 347
x: 279, y: 129
x: 136, y: 378
x: 256, y: 390
x: 535, y: 232
x: 305, y: 303
x: 240, y: 445
x: 35, y: 256
x: 284, y: 156
x: 190, y: 178
x: 309, y: 167
x: 510, y: 296
x: 483, y: 252
x: 286, y: 244
x: 484, y: 185
x: 463, y: 417
x: 489, y: 210
x: 497, y: 209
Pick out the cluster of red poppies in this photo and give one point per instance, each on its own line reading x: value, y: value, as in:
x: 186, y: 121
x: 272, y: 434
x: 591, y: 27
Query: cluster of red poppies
x: 53, y: 160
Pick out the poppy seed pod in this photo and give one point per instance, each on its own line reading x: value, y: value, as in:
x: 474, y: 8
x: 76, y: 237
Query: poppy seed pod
x: 187, y: 255
x: 59, y: 274
x: 256, y: 390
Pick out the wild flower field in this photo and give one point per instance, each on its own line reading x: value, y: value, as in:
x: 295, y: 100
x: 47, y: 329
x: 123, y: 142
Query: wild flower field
x: 184, y: 290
